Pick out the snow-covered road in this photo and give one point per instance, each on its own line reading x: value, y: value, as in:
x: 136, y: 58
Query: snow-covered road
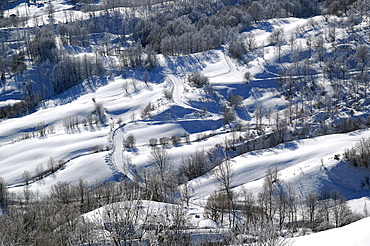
x: 177, y: 90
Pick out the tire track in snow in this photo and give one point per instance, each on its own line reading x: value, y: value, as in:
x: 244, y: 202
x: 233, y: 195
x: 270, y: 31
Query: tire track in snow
x: 258, y: 102
x: 177, y: 90
x: 228, y: 63
x: 115, y: 159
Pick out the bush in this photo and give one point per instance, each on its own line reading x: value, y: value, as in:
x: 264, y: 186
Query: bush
x: 130, y: 141
x: 228, y: 115
x: 164, y: 140
x: 247, y: 77
x: 153, y: 142
x: 198, y: 79
x: 175, y: 140
x: 145, y: 112
x: 236, y: 101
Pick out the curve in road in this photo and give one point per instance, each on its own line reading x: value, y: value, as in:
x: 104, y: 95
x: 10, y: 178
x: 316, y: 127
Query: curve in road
x: 177, y: 90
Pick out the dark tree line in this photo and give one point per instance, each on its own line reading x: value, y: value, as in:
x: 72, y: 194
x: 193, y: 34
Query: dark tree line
x: 71, y: 70
x: 190, y: 26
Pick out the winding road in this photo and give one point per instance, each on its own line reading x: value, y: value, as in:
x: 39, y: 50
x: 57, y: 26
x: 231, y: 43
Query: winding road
x: 116, y: 158
x: 177, y: 90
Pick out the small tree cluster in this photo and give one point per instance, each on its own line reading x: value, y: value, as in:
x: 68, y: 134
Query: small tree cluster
x: 129, y: 141
x: 146, y: 111
x: 153, y: 142
x: 70, y: 122
x: 20, y: 108
x: 195, y: 165
x: 41, y: 129
x: 99, y: 112
x: 43, y: 47
x: 359, y: 155
x: 198, y: 79
x: 229, y: 114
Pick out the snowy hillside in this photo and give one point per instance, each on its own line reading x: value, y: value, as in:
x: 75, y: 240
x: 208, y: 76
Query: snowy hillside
x: 100, y: 101
x: 338, y: 236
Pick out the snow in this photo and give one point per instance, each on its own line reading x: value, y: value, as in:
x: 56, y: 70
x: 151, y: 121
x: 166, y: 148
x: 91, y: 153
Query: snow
x: 308, y: 164
x: 298, y: 163
x: 353, y: 234
x: 207, y: 224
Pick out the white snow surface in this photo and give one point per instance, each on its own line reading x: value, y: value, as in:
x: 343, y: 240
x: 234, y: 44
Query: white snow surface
x: 298, y: 163
x: 355, y: 234
x: 308, y: 165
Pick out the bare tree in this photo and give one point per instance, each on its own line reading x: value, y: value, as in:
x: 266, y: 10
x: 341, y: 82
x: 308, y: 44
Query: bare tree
x: 187, y: 137
x: 224, y: 174
x: 99, y: 112
x: 146, y: 77
x: 153, y: 142
x: 324, y: 209
x: 121, y: 220
x: 362, y: 57
x: 126, y: 87
x: 26, y: 177
x: 277, y: 38
x: 51, y: 165
x: 3, y: 193
x: 39, y: 171
x: 228, y: 115
x: 216, y: 205
x: 311, y: 202
x: 195, y: 165
x: 198, y: 79
x: 176, y: 140
x: 81, y: 189
x: 340, y: 210
x: 61, y: 192
x: 247, y: 77
x: 257, y: 11
x: 164, y: 140
x: 130, y: 141
x: 266, y: 197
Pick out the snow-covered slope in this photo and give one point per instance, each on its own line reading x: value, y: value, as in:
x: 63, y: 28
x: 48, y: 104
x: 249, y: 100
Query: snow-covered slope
x: 308, y: 165
x: 175, y: 107
x: 353, y: 234
x: 298, y: 162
